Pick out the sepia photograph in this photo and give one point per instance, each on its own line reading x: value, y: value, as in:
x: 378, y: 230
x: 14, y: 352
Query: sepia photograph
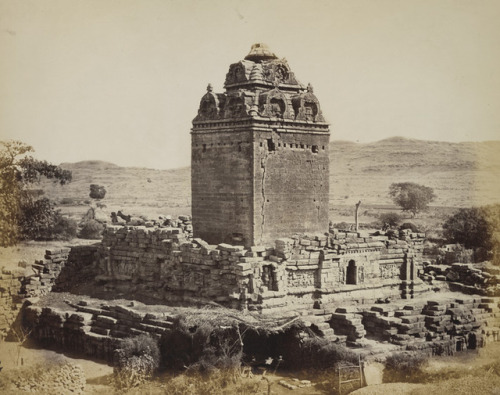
x: 250, y: 197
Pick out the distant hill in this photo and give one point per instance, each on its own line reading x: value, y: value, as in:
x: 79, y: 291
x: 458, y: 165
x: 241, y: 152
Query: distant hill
x: 462, y: 174
x: 89, y: 164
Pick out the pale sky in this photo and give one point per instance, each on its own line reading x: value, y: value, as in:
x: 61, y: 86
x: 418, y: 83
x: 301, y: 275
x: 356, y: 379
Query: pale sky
x: 121, y: 80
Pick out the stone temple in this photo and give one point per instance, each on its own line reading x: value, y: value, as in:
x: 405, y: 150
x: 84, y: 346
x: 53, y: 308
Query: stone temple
x: 260, y: 162
x: 258, y: 241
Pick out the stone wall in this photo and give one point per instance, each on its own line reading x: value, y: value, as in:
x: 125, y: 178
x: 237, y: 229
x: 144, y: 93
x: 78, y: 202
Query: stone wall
x: 441, y: 326
x: 161, y: 264
x: 222, y: 186
x: 291, y: 170
x: 61, y: 269
x: 260, y: 164
x: 462, y: 320
x: 79, y: 268
x: 10, y: 301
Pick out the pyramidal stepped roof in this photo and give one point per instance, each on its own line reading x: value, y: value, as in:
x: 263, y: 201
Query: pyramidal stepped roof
x: 261, y: 86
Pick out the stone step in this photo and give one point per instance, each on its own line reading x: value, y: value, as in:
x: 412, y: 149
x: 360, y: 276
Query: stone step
x: 322, y: 326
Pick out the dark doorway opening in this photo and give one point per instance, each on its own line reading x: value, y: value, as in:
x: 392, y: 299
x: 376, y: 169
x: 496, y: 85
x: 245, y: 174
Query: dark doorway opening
x: 352, y: 273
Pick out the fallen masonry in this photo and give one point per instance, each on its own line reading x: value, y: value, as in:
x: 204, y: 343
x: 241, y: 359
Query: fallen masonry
x: 439, y: 327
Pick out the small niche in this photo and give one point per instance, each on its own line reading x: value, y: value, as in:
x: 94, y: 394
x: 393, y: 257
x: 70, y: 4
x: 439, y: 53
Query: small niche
x: 270, y: 145
x: 314, y: 149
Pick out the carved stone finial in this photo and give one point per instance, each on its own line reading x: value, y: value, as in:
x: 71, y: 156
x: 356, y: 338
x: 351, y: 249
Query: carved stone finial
x: 210, y: 88
x: 310, y: 88
x: 260, y: 52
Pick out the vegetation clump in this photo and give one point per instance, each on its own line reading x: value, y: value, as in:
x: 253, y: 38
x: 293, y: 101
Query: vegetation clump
x: 409, y: 225
x: 405, y: 366
x: 390, y: 220
x: 136, y: 361
x: 477, y: 228
x: 91, y: 230
x: 24, y: 214
x: 317, y: 352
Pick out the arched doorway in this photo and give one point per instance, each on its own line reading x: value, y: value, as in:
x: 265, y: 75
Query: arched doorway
x: 352, y: 273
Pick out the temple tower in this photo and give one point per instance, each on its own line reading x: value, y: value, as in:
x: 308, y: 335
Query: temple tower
x: 259, y: 156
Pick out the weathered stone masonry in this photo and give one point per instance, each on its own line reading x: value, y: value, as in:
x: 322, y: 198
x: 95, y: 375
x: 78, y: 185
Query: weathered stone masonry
x: 259, y: 158
x: 296, y: 273
x: 61, y: 269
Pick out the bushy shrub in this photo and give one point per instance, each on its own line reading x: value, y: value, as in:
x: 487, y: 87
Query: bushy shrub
x: 97, y: 191
x: 213, y: 383
x: 64, y: 229
x: 405, y: 366
x: 320, y: 353
x: 136, y: 361
x: 389, y: 219
x: 203, y: 348
x: 342, y: 226
x: 91, y: 229
x: 409, y: 225
x: 40, y: 221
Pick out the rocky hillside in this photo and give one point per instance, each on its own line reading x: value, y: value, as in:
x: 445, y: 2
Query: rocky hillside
x: 462, y: 174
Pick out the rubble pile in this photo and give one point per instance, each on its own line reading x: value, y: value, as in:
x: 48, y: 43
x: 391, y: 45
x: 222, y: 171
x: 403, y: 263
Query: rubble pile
x: 463, y: 277
x: 64, y: 378
x: 436, y: 321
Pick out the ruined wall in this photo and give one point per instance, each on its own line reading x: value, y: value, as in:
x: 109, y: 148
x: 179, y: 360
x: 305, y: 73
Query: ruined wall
x: 10, y: 301
x: 294, y: 274
x: 160, y: 262
x: 441, y: 326
x: 222, y: 186
x: 61, y: 269
x: 291, y: 183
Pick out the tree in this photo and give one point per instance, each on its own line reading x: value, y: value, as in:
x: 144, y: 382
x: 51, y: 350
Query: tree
x: 468, y: 226
x: 411, y: 197
x: 477, y: 228
x: 23, y: 214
